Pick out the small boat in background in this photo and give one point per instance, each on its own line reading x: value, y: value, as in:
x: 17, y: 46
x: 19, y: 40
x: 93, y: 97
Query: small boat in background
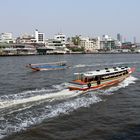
x: 98, y: 79
x: 48, y: 66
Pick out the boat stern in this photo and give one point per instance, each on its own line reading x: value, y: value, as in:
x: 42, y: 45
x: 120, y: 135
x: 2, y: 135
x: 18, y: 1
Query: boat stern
x: 77, y: 86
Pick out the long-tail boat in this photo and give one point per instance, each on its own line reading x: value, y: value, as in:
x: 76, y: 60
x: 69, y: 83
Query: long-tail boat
x: 48, y: 66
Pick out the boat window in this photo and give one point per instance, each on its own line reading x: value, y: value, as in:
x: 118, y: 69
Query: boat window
x: 91, y: 79
x: 86, y: 79
x: 97, y: 78
x: 112, y: 75
x: 79, y: 77
x: 125, y: 72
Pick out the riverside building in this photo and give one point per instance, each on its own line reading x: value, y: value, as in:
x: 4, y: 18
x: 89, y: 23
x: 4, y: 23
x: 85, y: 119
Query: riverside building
x: 26, y: 39
x: 90, y: 44
x: 61, y: 37
x: 40, y: 37
x: 57, y: 45
x: 107, y: 43
x: 6, y: 38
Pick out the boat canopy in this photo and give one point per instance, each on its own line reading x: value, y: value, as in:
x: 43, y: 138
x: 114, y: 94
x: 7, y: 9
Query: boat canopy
x: 52, y: 63
x: 103, y: 72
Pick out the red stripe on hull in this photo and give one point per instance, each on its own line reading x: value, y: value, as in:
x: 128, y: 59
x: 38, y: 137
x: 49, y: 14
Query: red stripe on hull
x: 100, y: 86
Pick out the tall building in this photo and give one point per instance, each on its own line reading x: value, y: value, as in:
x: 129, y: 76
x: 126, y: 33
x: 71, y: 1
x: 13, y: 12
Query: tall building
x: 119, y: 37
x: 134, y: 40
x: 40, y: 37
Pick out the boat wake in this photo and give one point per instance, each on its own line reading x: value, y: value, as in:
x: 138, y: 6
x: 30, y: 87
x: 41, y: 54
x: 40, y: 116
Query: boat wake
x: 58, y: 95
x: 105, y: 64
x: 83, y: 65
x: 22, y: 110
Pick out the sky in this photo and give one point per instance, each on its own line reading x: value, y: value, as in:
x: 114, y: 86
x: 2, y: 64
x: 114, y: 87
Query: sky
x: 72, y: 17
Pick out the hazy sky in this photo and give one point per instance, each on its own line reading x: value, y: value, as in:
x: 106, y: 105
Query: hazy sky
x: 84, y: 17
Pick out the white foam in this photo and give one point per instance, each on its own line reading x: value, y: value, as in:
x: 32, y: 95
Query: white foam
x: 61, y: 86
x: 58, y: 95
x: 26, y: 94
x: 73, y: 105
x: 80, y: 66
x: 86, y: 65
x: 46, y: 113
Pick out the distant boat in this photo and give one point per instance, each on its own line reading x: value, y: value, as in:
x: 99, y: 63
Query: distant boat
x: 48, y: 66
x: 98, y: 79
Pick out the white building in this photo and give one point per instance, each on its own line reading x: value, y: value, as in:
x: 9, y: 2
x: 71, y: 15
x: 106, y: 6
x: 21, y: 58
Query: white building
x: 90, y: 44
x: 107, y: 43
x: 26, y: 38
x: 40, y: 37
x: 118, y: 44
x: 106, y: 37
x: 56, y: 46
x: 6, y: 37
x: 61, y: 37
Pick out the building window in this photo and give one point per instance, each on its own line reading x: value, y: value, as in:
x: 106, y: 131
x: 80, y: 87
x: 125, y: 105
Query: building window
x: 40, y: 37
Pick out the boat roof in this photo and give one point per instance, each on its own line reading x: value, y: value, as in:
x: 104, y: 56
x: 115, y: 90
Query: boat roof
x: 103, y: 71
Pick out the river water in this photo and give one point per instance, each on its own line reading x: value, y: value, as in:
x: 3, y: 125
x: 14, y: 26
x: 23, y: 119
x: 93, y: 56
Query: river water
x: 38, y: 105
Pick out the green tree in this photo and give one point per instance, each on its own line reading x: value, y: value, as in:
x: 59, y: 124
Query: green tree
x: 76, y: 40
x: 77, y: 49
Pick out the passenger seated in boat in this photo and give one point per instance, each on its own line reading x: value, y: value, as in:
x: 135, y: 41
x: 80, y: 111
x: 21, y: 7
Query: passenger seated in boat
x: 89, y: 85
x: 86, y: 80
x: 98, y: 79
x: 91, y: 79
